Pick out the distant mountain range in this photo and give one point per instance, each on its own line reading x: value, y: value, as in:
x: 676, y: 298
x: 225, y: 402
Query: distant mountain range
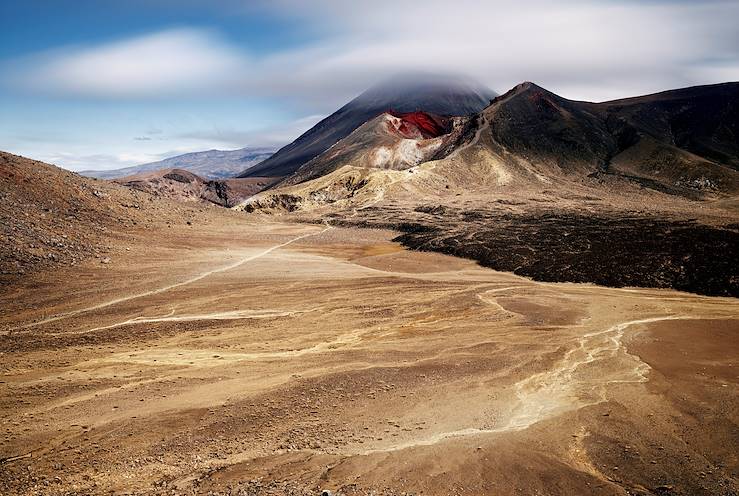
x: 210, y: 164
x: 444, y: 95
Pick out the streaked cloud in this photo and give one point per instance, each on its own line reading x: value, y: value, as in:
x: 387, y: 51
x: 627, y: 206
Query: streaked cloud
x: 275, y: 136
x: 167, y: 64
x: 104, y: 161
x: 586, y: 50
x: 583, y: 49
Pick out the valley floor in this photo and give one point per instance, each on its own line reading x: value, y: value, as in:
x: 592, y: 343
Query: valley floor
x: 287, y: 359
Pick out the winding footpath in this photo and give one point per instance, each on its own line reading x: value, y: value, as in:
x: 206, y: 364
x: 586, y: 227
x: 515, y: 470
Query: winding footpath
x: 162, y: 289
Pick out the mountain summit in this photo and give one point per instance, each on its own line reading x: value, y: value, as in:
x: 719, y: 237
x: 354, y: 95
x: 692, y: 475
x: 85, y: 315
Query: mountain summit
x: 446, y: 95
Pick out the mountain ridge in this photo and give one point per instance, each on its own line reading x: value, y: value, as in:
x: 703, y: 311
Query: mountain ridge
x: 535, y: 136
x: 210, y: 164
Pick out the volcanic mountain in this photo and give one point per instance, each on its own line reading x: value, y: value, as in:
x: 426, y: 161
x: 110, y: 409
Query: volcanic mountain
x: 209, y: 164
x: 436, y: 94
x: 638, y: 192
x: 681, y: 142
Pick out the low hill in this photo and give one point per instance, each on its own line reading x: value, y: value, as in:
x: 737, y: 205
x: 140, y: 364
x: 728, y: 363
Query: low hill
x: 182, y: 185
x: 50, y: 217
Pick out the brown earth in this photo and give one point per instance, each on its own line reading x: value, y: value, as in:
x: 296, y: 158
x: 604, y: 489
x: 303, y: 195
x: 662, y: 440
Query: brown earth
x: 249, y: 356
x: 206, y: 351
x: 52, y: 218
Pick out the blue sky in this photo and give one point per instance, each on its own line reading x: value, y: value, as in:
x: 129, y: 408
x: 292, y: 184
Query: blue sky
x: 105, y: 84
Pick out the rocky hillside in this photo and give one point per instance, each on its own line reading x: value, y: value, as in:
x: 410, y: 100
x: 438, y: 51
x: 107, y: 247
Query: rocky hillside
x: 394, y: 141
x: 182, y: 185
x: 51, y: 217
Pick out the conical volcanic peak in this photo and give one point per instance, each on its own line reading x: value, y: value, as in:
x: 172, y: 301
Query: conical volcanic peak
x: 437, y: 94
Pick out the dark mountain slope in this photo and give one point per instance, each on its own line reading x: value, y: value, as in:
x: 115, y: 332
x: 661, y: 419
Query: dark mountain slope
x: 703, y: 120
x: 542, y: 126
x: 680, y: 142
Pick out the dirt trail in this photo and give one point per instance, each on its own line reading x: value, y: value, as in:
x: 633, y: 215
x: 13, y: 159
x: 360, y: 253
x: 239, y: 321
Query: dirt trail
x: 162, y: 289
x: 231, y: 315
x: 559, y: 389
x: 476, y: 139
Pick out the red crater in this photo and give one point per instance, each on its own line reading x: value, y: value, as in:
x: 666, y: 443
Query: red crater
x: 428, y: 125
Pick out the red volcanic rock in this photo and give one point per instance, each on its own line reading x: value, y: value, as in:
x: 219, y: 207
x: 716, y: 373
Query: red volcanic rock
x: 428, y: 125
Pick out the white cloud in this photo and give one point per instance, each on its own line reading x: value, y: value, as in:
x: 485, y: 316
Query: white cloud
x: 586, y: 50
x: 165, y: 64
x: 275, y: 136
x: 102, y: 161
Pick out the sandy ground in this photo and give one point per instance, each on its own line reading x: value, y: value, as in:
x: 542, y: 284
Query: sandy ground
x: 271, y: 358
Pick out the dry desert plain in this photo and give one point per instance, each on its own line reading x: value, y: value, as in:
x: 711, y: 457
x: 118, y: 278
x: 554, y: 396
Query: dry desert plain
x: 259, y: 357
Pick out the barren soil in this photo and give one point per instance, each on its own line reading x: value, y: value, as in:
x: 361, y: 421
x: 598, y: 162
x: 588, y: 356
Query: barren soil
x: 246, y: 356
